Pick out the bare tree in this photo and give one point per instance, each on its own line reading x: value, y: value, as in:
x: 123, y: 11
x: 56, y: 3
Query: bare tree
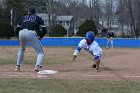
x: 130, y: 10
x: 121, y: 12
x: 49, y: 12
x: 96, y: 7
x: 109, y: 11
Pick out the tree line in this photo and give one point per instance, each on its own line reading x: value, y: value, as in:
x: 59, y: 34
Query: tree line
x: 126, y: 10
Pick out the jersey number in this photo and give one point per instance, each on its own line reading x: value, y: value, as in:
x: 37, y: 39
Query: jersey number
x: 30, y: 18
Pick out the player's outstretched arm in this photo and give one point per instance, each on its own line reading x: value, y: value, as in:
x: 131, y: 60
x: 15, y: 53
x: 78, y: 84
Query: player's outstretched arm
x: 76, y: 52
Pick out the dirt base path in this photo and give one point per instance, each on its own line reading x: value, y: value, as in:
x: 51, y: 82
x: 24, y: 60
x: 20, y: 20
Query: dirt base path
x: 116, y: 64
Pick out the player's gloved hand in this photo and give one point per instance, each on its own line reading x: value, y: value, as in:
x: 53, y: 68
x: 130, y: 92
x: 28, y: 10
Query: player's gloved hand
x: 39, y: 38
x: 74, y: 57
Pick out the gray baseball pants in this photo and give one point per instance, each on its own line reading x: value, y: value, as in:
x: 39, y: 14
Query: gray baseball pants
x: 30, y: 36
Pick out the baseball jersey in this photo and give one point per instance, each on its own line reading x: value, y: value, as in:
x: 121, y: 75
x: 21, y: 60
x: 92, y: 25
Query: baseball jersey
x: 110, y: 34
x: 93, y: 48
x: 32, y: 22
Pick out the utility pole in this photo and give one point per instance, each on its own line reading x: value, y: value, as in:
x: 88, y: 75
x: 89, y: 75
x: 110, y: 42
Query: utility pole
x: 11, y: 13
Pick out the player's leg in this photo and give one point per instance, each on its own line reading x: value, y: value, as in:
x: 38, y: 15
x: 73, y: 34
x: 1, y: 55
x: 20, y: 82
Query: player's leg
x: 97, y: 62
x: 112, y: 43
x: 94, y: 65
x: 36, y: 44
x: 21, y: 51
x: 40, y: 57
x: 107, y: 44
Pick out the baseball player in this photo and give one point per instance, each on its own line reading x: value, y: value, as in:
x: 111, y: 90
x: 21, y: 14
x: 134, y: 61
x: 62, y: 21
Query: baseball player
x: 110, y: 36
x: 26, y: 32
x: 91, y: 46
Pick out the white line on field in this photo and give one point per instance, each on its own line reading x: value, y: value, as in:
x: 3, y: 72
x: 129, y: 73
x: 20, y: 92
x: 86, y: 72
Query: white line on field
x: 41, y: 76
x: 132, y: 76
x: 129, y: 76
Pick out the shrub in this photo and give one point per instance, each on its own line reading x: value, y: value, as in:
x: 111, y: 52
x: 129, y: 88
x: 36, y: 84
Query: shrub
x: 6, y: 30
x: 58, y: 31
x: 88, y: 25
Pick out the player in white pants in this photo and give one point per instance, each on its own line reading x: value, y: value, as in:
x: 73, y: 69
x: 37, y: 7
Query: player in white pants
x: 26, y: 32
x: 90, y: 45
x: 110, y: 36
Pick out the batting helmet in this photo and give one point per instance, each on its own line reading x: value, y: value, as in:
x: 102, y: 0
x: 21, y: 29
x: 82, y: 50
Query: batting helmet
x: 31, y: 10
x: 90, y: 35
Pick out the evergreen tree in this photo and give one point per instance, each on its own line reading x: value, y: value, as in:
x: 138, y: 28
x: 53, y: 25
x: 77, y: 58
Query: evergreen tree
x: 58, y: 31
x: 18, y: 7
x: 88, y: 25
x: 6, y: 30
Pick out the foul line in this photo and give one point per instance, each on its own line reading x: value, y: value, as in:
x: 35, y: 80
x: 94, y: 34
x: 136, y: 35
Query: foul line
x: 129, y: 76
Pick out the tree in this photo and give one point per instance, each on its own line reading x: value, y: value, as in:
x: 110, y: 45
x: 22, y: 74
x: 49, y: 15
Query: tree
x: 109, y: 11
x: 95, y: 10
x: 18, y: 7
x: 58, y: 31
x: 6, y: 30
x: 137, y: 31
x: 121, y: 12
x: 79, y: 11
x: 0, y: 11
x: 88, y: 25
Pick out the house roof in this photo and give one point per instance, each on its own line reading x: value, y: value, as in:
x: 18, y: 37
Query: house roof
x: 43, y: 15
x: 78, y: 22
x: 58, y: 18
x: 64, y: 18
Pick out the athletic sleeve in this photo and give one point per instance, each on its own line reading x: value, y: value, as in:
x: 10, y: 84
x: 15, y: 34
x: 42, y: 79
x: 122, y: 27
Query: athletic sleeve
x: 41, y: 22
x: 44, y: 30
x: 17, y: 31
x: 18, y: 27
x: 79, y: 47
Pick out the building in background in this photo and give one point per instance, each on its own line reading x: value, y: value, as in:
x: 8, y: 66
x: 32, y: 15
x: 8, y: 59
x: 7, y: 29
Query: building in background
x: 111, y: 24
x: 67, y: 2
x: 66, y: 21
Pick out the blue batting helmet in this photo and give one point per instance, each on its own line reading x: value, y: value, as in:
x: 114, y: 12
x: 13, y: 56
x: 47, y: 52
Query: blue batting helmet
x: 90, y: 35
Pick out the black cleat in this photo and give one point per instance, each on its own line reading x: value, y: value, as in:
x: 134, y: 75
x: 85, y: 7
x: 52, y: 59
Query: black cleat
x: 17, y: 68
x: 38, y: 68
x: 94, y: 66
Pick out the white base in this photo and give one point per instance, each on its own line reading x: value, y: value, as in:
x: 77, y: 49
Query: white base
x: 47, y: 72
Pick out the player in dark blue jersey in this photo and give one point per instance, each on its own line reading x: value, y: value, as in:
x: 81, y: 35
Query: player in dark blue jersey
x: 26, y: 32
x: 110, y: 36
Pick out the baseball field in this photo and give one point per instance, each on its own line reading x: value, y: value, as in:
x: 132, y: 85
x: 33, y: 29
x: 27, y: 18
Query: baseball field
x: 120, y: 71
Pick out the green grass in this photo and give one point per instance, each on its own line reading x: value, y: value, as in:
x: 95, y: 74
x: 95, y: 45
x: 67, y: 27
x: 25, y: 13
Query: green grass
x: 67, y: 86
x: 47, y: 61
x: 52, y: 56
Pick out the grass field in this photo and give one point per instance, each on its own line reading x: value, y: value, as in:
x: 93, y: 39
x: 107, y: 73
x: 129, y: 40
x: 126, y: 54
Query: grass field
x: 8, y: 55
x: 56, y: 56
x: 67, y: 86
